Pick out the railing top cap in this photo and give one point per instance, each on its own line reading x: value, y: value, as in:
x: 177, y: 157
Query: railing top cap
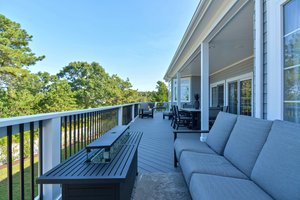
x: 47, y: 116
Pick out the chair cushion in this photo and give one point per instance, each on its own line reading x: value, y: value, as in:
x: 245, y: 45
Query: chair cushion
x: 147, y: 112
x: 277, y: 169
x: 246, y: 141
x: 192, y: 162
x: 191, y: 144
x: 220, y: 132
x: 211, y: 187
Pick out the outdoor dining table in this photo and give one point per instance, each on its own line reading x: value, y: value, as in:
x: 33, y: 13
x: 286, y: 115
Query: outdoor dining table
x: 195, y: 113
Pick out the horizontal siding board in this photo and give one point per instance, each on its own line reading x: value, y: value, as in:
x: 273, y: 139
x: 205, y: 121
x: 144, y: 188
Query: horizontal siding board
x: 232, y: 72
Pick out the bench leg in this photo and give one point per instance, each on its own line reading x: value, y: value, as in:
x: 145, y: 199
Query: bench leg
x: 175, y: 159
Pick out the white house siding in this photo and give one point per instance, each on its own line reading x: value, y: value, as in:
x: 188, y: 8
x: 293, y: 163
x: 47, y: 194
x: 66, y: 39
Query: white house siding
x: 234, y: 71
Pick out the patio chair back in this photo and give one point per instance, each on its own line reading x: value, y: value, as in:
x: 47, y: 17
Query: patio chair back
x: 225, y: 108
x: 144, y: 106
x: 213, y: 112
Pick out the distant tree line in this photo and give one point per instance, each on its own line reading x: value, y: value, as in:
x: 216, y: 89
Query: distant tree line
x: 79, y: 85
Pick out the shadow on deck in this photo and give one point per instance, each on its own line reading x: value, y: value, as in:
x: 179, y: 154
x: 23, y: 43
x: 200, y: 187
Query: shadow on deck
x: 155, y: 153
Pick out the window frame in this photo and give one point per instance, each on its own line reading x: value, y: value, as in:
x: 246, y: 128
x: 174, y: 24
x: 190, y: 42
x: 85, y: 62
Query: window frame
x: 175, y: 89
x: 283, y: 36
x: 215, y: 84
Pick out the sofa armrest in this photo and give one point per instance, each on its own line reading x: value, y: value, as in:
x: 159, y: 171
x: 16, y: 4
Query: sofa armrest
x: 188, y: 131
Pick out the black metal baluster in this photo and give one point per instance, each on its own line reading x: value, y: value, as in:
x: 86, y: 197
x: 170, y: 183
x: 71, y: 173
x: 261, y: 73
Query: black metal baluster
x: 85, y: 129
x: 9, y: 163
x: 102, y: 128
x: 98, y: 123
x: 74, y: 134
x: 22, y: 161
x: 81, y: 133
x: 94, y: 132
x: 70, y: 135
x: 61, y: 138
x: 32, y: 160
x: 41, y: 157
x: 78, y: 129
x: 90, y: 126
x: 94, y: 125
x: 66, y: 139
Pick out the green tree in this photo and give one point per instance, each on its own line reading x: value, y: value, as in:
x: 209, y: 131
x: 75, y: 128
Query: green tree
x: 14, y: 48
x: 58, y: 97
x: 161, y: 95
x: 88, y: 81
x: 20, y: 92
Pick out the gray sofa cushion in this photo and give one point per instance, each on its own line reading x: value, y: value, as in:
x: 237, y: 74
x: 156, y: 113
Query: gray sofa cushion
x: 192, y: 162
x: 220, y: 132
x: 211, y: 187
x: 191, y: 144
x: 246, y: 141
x: 277, y: 169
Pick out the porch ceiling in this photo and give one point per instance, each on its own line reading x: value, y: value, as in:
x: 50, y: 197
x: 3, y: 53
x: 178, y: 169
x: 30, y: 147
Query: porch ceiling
x: 232, y: 44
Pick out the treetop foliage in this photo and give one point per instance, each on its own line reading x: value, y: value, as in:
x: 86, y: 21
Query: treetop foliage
x: 14, y: 48
x: 78, y: 85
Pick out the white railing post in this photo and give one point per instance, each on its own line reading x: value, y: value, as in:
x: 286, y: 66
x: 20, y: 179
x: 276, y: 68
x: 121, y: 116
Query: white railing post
x: 120, y: 116
x: 133, y: 109
x: 51, y: 154
x: 178, y: 90
x: 172, y: 94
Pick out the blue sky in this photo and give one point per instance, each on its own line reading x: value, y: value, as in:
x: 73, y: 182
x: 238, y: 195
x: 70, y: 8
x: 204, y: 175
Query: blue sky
x: 134, y: 38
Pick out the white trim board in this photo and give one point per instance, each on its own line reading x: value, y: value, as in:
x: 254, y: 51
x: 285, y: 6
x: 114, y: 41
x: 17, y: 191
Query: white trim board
x: 275, y: 59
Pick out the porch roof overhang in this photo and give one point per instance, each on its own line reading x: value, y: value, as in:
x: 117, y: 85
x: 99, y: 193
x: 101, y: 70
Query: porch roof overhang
x: 214, y: 22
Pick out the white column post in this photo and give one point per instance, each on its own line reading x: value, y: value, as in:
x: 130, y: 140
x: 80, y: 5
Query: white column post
x: 179, y: 90
x: 258, y: 63
x: 204, y: 86
x: 120, y: 116
x: 172, y: 94
x: 51, y: 154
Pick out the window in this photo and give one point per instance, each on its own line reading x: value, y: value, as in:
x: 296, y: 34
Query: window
x: 239, y: 94
x: 291, y: 68
x: 217, y: 96
x: 185, y: 90
x: 175, y: 90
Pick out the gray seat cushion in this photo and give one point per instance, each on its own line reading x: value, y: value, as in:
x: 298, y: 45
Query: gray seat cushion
x: 246, y: 141
x: 192, y: 162
x: 220, y: 132
x: 277, y: 169
x: 211, y: 187
x: 189, y: 143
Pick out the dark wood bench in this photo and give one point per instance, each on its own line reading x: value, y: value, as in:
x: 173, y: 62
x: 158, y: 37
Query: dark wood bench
x: 87, y: 180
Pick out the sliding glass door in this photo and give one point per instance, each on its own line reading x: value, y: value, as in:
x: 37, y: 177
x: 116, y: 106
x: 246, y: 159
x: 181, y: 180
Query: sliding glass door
x: 240, y: 97
x: 246, y: 97
x: 233, y: 97
x: 217, y: 96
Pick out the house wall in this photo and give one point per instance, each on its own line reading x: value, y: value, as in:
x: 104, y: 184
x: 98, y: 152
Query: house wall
x: 195, y: 87
x: 238, y: 69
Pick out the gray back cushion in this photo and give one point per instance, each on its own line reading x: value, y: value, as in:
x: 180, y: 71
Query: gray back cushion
x: 277, y: 169
x: 246, y: 141
x: 220, y: 132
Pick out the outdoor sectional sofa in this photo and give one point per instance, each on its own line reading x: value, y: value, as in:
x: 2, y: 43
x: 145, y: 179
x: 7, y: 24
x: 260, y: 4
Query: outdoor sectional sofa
x: 243, y: 158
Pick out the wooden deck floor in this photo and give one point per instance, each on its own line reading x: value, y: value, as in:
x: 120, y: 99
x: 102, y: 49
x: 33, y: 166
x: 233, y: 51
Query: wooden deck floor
x: 155, y: 153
